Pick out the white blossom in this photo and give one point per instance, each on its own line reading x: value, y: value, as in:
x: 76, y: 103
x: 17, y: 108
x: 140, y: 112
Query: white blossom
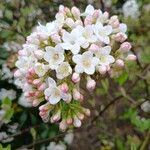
x: 11, y: 94
x: 85, y: 62
x: 103, y: 54
x: 52, y: 92
x: 63, y: 70
x: 102, y: 32
x: 54, y: 56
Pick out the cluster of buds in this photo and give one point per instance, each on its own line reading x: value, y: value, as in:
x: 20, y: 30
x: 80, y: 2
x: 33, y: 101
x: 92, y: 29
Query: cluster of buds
x: 57, y: 56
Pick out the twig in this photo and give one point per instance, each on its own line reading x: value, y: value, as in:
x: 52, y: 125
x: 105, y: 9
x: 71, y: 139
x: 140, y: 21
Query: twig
x: 146, y: 142
x: 119, y: 97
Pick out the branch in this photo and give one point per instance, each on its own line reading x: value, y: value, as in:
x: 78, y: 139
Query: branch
x: 146, y: 142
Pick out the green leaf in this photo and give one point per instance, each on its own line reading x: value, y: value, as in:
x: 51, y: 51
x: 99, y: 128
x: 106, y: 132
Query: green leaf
x: 6, y: 102
x: 120, y: 145
x: 33, y: 133
x: 122, y: 78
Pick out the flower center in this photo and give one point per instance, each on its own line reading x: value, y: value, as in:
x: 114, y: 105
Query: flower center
x: 86, y: 63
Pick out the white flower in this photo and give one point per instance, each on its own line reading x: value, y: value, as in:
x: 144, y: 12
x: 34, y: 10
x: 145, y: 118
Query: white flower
x: 87, y: 35
x: 146, y: 106
x: 49, y: 29
x: 102, y: 32
x: 54, y: 56
x: 104, y: 56
x: 72, y: 41
x: 52, y: 92
x: 85, y: 62
x: 131, y: 8
x: 69, y: 138
x: 60, y: 19
x: 25, y: 63
x: 54, y: 146
x: 11, y: 94
x: 40, y: 69
x: 63, y: 70
x: 88, y: 11
x: 23, y: 101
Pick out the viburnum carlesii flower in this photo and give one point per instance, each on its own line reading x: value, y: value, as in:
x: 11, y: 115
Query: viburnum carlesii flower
x: 52, y: 93
x: 85, y: 62
x: 72, y: 41
x: 102, y: 32
x: 104, y: 56
x: 63, y: 70
x: 57, y: 57
x: 54, y: 56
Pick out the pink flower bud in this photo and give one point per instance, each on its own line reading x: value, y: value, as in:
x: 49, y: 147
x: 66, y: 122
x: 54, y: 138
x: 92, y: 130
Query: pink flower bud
x: 76, y: 94
x: 17, y: 73
x: 105, y: 15
x: 29, y: 81
x: 64, y: 88
x: 120, y: 63
x: 80, y: 116
x: 78, y: 22
x: 31, y: 71
x: 87, y: 112
x: 56, y: 38
x: 120, y: 37
x: 63, y: 125
x: 90, y: 85
x: 81, y: 98
x: 76, y: 12
x: 69, y: 121
x: 114, y: 21
x: 75, y: 77
x: 42, y: 87
x: 102, y: 69
x: 76, y: 122
x: 31, y: 94
x: 94, y: 48
x: 37, y: 93
x: 22, y: 53
x: 37, y: 81
x: 67, y: 11
x: 88, y: 20
x: 125, y: 47
x: 39, y: 54
x: 56, y: 117
x: 35, y: 103
x: 95, y: 14
x: 69, y: 22
x: 131, y: 57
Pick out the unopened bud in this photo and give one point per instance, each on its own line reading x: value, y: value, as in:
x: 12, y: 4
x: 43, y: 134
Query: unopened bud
x: 75, y: 77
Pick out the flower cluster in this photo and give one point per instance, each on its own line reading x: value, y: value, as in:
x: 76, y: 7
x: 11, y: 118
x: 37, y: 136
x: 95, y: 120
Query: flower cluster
x: 60, y: 54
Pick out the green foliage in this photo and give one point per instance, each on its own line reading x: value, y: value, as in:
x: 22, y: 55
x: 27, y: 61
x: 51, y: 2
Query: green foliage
x: 141, y: 124
x: 7, y: 107
x: 5, y: 148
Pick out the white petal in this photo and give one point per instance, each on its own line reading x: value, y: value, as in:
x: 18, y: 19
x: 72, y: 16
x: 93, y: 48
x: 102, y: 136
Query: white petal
x: 51, y: 82
x: 75, y: 49
x: 66, y: 37
x: 79, y: 69
x: 105, y: 39
x: 90, y: 70
x: 77, y: 58
x: 110, y: 59
x: 107, y: 29
x: 66, y: 46
x: 47, y: 92
x: 123, y: 27
x: 54, y: 100
x: 95, y: 61
x: 105, y: 50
